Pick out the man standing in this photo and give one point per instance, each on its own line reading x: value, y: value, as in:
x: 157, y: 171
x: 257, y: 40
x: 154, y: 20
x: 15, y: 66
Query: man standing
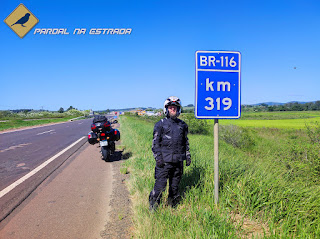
x: 170, y: 148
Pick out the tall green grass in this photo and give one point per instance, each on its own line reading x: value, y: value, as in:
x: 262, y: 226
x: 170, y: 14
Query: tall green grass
x: 195, y: 217
x: 274, y: 182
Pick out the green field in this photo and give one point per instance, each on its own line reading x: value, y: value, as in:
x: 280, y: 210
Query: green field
x: 269, y: 181
x: 294, y: 120
x: 18, y: 123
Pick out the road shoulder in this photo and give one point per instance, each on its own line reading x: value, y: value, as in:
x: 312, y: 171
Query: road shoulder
x: 120, y: 223
x: 73, y: 202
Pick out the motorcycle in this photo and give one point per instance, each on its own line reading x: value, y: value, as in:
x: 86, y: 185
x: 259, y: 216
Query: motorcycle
x: 103, y: 134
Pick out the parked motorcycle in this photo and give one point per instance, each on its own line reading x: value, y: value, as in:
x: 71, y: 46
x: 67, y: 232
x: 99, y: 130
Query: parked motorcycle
x: 103, y: 134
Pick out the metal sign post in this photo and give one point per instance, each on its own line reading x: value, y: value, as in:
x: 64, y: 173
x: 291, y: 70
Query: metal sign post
x: 217, y: 94
x: 216, y: 160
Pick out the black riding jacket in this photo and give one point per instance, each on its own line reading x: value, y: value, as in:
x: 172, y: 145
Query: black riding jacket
x: 170, y: 141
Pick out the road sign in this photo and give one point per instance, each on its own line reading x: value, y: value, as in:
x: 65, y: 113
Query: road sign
x: 218, y: 85
x: 21, y: 20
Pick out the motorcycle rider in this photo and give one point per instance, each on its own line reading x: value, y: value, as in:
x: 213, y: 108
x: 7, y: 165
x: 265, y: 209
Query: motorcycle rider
x: 170, y: 148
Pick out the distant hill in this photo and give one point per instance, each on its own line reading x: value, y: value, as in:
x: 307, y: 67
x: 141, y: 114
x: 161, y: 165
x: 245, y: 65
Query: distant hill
x: 269, y: 103
x: 278, y: 103
x: 300, y: 102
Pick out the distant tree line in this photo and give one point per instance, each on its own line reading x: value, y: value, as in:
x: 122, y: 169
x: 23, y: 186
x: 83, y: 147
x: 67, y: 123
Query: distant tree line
x: 61, y: 110
x: 293, y: 106
x: 21, y: 110
x: 187, y: 109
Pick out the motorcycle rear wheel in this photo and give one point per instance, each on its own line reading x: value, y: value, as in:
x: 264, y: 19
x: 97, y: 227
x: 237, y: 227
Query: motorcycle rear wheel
x: 105, y: 151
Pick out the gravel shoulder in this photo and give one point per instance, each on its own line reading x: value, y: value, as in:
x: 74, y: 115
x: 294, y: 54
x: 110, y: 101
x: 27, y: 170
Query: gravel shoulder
x: 120, y: 216
x: 120, y: 224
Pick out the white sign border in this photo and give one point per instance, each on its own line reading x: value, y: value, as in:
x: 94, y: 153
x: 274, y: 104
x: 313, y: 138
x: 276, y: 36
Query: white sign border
x: 239, y: 99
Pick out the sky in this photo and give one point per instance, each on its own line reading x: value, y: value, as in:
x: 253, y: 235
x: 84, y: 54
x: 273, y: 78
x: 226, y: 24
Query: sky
x: 279, y: 43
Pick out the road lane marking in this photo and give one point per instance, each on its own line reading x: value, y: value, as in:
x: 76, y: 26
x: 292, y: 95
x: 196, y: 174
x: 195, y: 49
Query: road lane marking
x: 37, y: 169
x: 14, y: 147
x: 46, y: 132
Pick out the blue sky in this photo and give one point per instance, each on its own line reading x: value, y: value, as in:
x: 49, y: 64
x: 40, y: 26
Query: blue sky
x: 158, y: 58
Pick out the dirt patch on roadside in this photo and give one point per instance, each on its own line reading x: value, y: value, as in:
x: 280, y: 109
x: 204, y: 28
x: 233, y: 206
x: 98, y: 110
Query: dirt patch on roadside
x: 120, y: 217
x: 251, y: 229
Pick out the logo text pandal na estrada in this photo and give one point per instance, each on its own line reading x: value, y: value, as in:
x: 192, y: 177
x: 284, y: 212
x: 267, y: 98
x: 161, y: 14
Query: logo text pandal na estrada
x: 83, y: 31
x: 21, y: 20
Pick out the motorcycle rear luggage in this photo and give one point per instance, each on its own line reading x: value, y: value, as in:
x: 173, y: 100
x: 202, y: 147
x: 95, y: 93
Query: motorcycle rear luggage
x: 92, y: 138
x: 100, y: 122
x: 99, y: 118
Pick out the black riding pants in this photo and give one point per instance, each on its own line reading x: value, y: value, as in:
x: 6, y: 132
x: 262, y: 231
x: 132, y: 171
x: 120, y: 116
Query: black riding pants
x: 171, y: 171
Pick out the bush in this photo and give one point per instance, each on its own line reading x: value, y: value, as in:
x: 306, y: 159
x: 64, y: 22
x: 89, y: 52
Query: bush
x: 5, y: 114
x: 314, y: 132
x: 302, y: 155
x: 196, y: 126
x: 73, y: 112
x: 236, y: 136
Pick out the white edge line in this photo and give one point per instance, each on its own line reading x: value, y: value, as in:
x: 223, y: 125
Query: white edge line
x: 239, y: 104
x: 37, y: 169
x: 239, y: 79
x: 196, y: 101
x: 45, y: 132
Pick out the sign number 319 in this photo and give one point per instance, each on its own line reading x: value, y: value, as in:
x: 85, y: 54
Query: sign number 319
x: 227, y: 102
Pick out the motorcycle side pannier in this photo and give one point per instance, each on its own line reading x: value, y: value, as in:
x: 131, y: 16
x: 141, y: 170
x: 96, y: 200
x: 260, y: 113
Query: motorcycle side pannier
x: 116, y: 134
x: 92, y: 138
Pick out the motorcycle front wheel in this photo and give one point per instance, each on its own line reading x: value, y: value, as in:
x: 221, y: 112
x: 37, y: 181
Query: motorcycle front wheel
x: 105, y: 151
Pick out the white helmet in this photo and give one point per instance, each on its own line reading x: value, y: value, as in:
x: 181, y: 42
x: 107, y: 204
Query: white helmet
x: 172, y: 100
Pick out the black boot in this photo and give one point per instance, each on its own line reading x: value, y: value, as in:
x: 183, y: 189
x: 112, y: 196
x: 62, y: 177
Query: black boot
x: 173, y: 201
x: 153, y: 204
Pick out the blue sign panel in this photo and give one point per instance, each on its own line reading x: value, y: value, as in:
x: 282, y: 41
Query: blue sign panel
x: 218, y: 85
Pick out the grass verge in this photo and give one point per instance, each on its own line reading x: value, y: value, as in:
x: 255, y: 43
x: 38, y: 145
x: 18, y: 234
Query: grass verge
x: 195, y: 217
x: 18, y: 123
x: 273, y: 184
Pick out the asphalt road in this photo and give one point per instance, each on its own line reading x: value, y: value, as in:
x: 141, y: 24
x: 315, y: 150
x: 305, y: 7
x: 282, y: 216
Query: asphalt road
x: 73, y: 202
x: 22, y: 151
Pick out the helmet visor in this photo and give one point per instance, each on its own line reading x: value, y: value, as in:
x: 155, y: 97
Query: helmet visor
x: 175, y: 103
